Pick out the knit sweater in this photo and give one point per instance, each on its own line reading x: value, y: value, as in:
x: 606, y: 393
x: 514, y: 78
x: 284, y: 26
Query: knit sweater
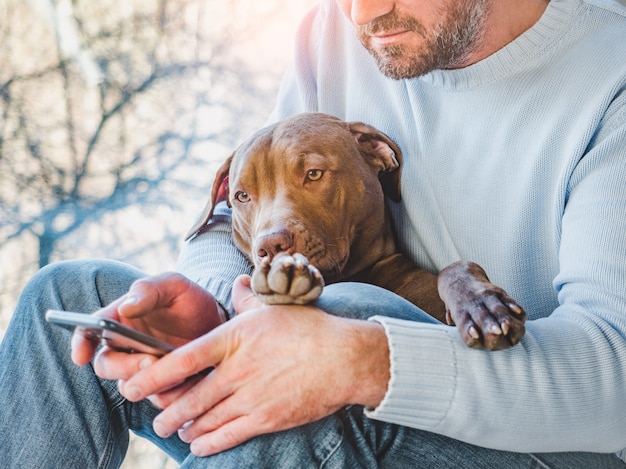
x: 518, y: 163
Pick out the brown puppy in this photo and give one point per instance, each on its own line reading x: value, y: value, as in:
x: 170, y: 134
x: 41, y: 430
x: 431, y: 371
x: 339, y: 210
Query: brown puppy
x: 307, y: 198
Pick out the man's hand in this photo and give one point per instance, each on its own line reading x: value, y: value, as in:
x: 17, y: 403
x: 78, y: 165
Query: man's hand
x: 276, y: 367
x: 169, y: 307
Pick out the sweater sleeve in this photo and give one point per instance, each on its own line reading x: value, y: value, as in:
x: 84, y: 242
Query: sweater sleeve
x: 212, y: 260
x: 563, y: 387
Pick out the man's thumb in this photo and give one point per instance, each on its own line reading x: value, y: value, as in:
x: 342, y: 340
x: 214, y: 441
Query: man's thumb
x: 244, y: 298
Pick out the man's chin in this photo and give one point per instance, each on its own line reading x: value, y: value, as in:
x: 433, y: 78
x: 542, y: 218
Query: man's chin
x: 399, y: 71
x: 393, y: 63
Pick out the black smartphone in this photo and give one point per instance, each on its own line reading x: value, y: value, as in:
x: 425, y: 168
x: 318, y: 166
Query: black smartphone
x: 109, y: 332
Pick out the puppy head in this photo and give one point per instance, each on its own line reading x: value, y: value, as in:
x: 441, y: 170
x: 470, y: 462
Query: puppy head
x: 308, y: 184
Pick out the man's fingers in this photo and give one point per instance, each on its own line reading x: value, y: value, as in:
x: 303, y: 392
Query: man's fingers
x: 111, y: 364
x: 170, y: 306
x: 225, y: 437
x: 193, y: 405
x: 175, y: 367
x: 164, y: 399
x: 143, y: 296
x: 82, y: 348
x: 218, y: 416
x: 244, y: 298
x: 149, y: 293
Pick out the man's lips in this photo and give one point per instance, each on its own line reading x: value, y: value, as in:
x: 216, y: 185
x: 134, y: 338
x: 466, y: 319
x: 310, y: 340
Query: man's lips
x: 387, y: 38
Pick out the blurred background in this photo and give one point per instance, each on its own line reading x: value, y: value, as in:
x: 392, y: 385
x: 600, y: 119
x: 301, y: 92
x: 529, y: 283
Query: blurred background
x: 114, y: 116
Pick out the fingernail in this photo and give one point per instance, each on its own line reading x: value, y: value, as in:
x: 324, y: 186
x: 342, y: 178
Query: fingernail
x: 159, y: 429
x: 197, y: 450
x: 183, y: 435
x: 145, y: 363
x: 133, y: 393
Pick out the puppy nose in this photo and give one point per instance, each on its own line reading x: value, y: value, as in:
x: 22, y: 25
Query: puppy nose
x: 270, y: 244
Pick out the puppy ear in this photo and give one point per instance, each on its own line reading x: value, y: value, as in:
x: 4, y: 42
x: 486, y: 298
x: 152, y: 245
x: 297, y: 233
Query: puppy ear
x: 383, y: 152
x: 219, y: 193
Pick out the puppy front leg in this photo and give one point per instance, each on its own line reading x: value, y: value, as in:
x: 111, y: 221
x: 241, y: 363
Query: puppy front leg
x: 486, y: 316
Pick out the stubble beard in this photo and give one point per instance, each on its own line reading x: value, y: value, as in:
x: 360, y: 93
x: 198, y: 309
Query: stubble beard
x: 448, y: 46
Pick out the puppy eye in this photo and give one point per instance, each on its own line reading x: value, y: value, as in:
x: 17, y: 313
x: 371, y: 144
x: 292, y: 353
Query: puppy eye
x: 314, y: 174
x: 242, y: 197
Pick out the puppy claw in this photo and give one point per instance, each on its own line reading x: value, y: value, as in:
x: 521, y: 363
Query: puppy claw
x: 495, y: 329
x: 449, y: 319
x: 473, y: 333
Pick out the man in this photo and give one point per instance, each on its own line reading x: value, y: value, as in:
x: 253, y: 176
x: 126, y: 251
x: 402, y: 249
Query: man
x: 512, y: 118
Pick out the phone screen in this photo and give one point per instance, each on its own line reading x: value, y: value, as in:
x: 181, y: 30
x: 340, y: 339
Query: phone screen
x: 110, y: 333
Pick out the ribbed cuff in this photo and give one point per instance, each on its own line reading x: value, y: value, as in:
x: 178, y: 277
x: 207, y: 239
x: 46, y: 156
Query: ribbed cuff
x: 423, y: 374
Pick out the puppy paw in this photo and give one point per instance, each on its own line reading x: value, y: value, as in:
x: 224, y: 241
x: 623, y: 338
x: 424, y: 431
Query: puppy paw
x: 485, y: 315
x: 287, y: 279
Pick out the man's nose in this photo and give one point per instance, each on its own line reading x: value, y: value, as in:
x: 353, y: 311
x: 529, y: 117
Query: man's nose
x: 364, y: 11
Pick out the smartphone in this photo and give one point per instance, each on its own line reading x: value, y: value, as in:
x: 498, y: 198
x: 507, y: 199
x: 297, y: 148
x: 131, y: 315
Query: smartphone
x: 109, y: 332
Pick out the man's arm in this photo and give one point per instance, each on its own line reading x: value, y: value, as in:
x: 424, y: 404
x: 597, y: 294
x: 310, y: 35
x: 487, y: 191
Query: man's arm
x: 212, y: 260
x: 563, y: 386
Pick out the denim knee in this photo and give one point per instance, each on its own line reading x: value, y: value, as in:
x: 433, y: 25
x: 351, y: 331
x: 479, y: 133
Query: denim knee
x: 361, y: 301
x: 78, y: 285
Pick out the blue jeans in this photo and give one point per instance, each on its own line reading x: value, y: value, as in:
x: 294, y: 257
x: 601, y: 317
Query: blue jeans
x: 54, y: 414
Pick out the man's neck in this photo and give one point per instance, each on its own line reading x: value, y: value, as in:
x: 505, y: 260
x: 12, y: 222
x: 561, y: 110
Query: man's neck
x: 506, y: 20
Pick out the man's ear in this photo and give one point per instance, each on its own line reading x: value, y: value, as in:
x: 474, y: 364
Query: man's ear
x: 219, y: 192
x: 383, y: 152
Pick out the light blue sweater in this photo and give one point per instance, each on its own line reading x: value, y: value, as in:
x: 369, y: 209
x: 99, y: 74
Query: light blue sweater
x: 518, y: 163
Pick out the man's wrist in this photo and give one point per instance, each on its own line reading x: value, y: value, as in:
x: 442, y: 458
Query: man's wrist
x: 372, y: 369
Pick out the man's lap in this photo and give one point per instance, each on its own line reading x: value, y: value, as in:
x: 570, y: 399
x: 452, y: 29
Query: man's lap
x: 95, y: 419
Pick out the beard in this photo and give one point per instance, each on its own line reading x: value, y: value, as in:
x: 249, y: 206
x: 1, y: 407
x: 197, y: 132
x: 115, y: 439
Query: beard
x: 448, y: 46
